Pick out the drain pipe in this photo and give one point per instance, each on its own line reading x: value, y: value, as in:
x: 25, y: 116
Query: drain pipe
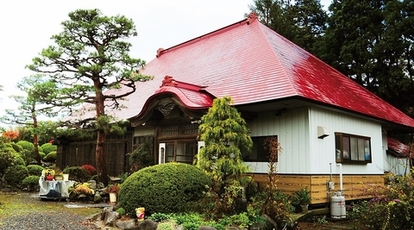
x: 340, y: 177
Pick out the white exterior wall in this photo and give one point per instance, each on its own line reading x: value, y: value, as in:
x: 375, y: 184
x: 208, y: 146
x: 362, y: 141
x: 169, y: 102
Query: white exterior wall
x: 292, y: 132
x: 323, y: 150
x: 302, y: 151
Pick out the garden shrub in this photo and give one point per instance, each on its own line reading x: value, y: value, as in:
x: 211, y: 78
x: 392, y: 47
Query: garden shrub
x: 28, y: 156
x: 165, y: 188
x: 16, y: 147
x: 77, y: 173
x: 9, y: 157
x: 31, y: 183
x: 35, y: 170
x: 26, y: 145
x: 90, y: 169
x: 50, y: 157
x: 391, y: 208
x: 48, y: 147
x: 14, y: 175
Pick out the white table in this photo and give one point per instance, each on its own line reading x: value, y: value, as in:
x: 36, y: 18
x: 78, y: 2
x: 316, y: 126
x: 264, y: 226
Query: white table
x: 54, y: 189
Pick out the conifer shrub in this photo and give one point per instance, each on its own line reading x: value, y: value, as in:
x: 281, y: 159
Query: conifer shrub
x: 164, y: 188
x: 77, y: 173
x: 50, y: 157
x: 31, y: 183
x: 48, y: 147
x: 26, y: 145
x: 14, y: 175
x: 9, y: 157
x: 35, y: 170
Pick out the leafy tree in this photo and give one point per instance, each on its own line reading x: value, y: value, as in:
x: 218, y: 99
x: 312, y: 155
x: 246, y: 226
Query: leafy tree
x: 90, y: 56
x: 225, y: 133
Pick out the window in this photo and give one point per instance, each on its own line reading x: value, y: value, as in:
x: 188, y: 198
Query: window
x: 259, y: 152
x: 352, y: 148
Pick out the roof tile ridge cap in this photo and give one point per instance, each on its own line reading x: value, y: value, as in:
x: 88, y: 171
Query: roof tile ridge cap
x: 161, y: 51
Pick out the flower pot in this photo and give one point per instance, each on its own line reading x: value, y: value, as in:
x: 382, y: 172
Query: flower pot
x: 304, y: 208
x: 112, y: 197
x: 140, y: 212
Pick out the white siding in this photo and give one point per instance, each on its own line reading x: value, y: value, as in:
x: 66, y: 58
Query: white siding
x: 322, y: 150
x: 291, y: 129
x: 302, y: 151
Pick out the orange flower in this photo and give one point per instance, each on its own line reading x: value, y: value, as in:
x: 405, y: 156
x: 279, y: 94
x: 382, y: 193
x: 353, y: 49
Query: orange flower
x: 10, y: 134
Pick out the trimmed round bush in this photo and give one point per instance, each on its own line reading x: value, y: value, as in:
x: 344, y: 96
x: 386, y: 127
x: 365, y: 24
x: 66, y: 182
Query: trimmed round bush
x: 164, y: 188
x: 31, y: 183
x: 15, y: 174
x: 16, y: 147
x: 35, y: 170
x: 50, y: 157
x: 26, y: 145
x: 9, y: 157
x: 48, y: 147
x: 77, y: 173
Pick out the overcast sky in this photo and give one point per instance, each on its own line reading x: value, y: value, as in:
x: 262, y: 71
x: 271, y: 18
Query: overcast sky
x: 27, y: 25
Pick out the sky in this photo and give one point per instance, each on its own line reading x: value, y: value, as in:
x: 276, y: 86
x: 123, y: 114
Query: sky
x: 27, y: 25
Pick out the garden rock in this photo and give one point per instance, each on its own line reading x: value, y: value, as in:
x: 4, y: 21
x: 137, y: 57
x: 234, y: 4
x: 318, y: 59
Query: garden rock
x: 126, y: 224
x: 109, y: 216
x: 147, y: 225
x: 206, y: 228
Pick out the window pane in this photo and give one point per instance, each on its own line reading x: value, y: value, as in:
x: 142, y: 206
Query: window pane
x: 346, y: 148
x: 367, y: 151
x: 338, y: 148
x: 170, y: 152
x: 361, y: 149
x: 354, y: 148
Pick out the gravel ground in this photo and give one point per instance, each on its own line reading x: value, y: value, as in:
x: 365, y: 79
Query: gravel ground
x: 44, y: 219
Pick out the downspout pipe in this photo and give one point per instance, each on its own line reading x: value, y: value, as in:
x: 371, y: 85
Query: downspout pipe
x: 340, y: 177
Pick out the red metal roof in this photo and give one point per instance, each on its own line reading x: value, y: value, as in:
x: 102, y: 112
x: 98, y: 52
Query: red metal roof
x: 399, y: 149
x: 251, y: 63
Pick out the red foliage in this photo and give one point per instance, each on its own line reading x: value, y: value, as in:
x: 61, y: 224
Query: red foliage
x: 90, y: 169
x: 10, y: 134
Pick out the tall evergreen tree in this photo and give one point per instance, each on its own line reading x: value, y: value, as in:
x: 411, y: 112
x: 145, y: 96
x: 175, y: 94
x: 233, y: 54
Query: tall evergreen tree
x: 89, y: 56
x: 371, y: 42
x: 303, y: 22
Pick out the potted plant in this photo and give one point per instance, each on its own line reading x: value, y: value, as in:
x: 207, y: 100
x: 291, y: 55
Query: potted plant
x: 302, y: 197
x: 113, y: 191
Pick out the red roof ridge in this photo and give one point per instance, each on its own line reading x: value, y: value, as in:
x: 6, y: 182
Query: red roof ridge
x: 250, y: 18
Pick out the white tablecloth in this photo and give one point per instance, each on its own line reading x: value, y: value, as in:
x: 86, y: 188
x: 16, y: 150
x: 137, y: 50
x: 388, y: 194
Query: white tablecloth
x: 59, y: 186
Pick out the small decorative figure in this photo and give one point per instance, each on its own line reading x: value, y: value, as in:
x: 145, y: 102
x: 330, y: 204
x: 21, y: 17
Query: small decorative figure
x: 140, y: 213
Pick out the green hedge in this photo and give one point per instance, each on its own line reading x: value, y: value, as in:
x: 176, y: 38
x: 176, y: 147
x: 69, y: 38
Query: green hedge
x: 165, y: 188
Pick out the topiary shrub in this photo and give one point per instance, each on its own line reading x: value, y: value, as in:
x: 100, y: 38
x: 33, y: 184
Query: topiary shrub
x: 16, y: 147
x: 31, y: 183
x: 26, y: 145
x: 35, y: 170
x: 14, y: 175
x: 50, y: 157
x: 9, y: 157
x: 77, y: 173
x: 165, y: 188
x: 48, y: 147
